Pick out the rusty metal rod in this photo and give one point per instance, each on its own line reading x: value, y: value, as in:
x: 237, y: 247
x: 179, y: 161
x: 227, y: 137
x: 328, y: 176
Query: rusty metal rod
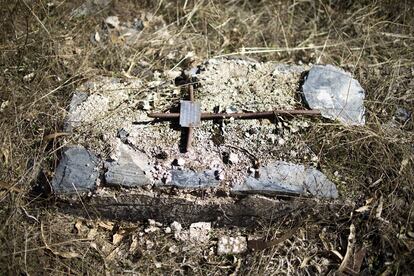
x: 190, y: 129
x: 252, y: 115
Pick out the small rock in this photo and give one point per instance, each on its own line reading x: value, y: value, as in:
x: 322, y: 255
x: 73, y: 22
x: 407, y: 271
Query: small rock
x: 145, y: 105
x: 199, y: 232
x: 152, y: 222
x: 335, y: 93
x: 281, y: 141
x: 179, y: 161
x: 177, y: 228
x: 231, y: 245
x: 151, y: 229
x: 233, y: 158
x: 402, y: 115
x: 138, y: 24
x: 97, y: 37
x: 231, y: 109
x: 3, y: 105
x: 122, y: 134
x: 112, y: 21
x: 172, y: 75
x: 28, y: 77
x: 219, y: 175
x: 149, y: 244
x: 173, y: 249
x: 78, y: 171
x: 167, y: 230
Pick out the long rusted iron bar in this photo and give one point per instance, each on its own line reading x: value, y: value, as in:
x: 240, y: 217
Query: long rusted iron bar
x: 190, y: 129
x: 244, y: 115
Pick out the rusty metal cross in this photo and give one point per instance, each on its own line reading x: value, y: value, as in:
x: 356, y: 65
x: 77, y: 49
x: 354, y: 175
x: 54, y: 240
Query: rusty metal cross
x: 190, y: 115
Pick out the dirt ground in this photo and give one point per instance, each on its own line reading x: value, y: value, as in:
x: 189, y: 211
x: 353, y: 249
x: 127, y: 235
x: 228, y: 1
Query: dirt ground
x: 48, y: 48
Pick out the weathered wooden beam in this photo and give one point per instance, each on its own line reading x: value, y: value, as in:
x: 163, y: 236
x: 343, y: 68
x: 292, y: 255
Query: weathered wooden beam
x: 242, y: 211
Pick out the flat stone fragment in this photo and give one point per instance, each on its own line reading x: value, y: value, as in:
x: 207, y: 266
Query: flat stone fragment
x: 286, y: 178
x: 191, y: 179
x: 77, y: 99
x: 336, y: 94
x: 78, y: 171
x: 128, y: 170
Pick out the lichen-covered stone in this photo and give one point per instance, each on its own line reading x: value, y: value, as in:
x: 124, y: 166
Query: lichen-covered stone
x: 78, y: 171
x: 335, y: 93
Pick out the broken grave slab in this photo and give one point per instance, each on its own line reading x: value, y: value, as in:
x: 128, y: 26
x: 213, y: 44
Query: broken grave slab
x: 78, y: 171
x: 287, y: 178
x: 108, y: 116
x: 129, y: 170
x: 335, y: 93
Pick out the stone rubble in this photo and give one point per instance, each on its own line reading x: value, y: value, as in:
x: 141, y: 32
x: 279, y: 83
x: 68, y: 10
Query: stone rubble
x: 231, y: 245
x: 199, y: 232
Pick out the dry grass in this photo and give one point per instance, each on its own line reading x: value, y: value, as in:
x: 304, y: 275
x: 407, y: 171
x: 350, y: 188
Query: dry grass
x: 373, y: 40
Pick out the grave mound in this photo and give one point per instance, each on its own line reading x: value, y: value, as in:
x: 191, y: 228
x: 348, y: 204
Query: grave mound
x: 122, y: 163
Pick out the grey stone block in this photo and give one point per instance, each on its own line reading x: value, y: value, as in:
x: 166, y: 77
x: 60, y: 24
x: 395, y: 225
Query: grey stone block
x: 191, y: 179
x: 78, y: 171
x: 77, y: 99
x: 336, y: 94
x: 286, y: 178
x: 128, y: 170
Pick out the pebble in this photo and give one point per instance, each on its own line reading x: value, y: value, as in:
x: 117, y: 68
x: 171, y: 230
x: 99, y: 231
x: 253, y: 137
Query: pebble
x: 112, y: 21
x: 402, y: 115
x: 173, y: 249
x: 199, y: 232
x: 145, y: 105
x: 233, y: 158
x: 149, y: 244
x: 172, y: 75
x: 97, y: 37
x: 180, y: 162
x: 176, y: 228
x: 28, y: 77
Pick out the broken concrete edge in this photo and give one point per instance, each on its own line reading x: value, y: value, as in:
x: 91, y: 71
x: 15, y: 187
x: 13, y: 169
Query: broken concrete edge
x: 80, y: 171
x: 245, y: 211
